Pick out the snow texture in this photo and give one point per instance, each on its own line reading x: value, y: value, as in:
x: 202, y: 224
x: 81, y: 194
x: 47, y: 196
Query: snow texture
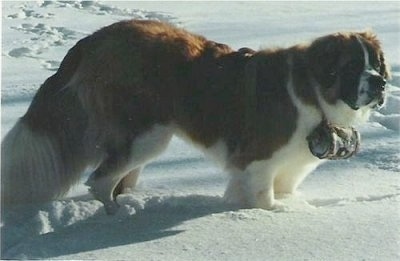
x: 346, y: 210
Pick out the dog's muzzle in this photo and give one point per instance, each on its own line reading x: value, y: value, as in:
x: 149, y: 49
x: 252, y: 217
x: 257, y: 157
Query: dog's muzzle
x: 377, y: 88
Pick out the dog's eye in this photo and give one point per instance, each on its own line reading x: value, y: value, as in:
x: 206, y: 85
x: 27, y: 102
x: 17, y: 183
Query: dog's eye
x: 353, y: 66
x: 332, y: 73
x: 377, y: 66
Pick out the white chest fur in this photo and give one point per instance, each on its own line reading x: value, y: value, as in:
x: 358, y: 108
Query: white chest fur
x: 285, y: 170
x: 289, y: 165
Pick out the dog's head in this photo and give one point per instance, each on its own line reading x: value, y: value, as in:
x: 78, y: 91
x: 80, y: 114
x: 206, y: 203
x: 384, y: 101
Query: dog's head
x: 349, y: 67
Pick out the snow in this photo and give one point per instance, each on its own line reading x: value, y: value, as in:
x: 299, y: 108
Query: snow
x: 345, y: 210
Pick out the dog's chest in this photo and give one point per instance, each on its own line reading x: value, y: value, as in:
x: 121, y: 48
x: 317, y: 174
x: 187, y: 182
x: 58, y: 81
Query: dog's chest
x: 293, y: 158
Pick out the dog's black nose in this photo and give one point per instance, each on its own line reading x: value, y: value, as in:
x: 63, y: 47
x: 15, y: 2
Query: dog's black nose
x: 377, y: 82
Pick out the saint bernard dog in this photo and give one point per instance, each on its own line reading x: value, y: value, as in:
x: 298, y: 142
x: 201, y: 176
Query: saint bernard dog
x: 121, y: 93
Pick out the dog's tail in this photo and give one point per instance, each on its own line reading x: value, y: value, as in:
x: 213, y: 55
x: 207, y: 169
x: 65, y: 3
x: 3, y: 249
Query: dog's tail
x: 44, y: 154
x: 31, y: 167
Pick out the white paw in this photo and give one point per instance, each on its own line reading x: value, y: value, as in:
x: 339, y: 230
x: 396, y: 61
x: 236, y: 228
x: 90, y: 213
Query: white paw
x: 111, y: 207
x: 235, y: 195
x: 278, y: 206
x: 285, y: 195
x: 272, y: 205
x: 237, y: 200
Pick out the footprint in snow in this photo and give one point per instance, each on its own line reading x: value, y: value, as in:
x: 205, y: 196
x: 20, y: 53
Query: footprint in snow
x: 20, y: 52
x: 25, y: 13
x: 338, y: 202
x: 51, y: 65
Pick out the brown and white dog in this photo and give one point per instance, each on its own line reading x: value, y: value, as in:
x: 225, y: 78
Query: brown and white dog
x: 122, y: 92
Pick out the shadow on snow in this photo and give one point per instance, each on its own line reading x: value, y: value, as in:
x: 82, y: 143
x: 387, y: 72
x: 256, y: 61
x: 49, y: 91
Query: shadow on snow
x: 156, y: 220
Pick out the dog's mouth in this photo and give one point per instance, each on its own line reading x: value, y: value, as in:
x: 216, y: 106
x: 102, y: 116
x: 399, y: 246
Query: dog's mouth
x: 377, y: 98
x: 377, y: 90
x: 374, y: 99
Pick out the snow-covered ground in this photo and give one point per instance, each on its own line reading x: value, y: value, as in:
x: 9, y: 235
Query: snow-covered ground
x: 345, y: 210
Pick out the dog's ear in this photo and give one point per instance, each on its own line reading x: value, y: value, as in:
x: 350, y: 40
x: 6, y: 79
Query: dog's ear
x: 322, y: 58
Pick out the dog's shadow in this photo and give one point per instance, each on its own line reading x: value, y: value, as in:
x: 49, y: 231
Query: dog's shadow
x: 157, y: 219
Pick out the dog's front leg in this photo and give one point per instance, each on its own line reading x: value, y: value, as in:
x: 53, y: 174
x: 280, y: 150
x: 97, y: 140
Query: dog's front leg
x: 253, y: 188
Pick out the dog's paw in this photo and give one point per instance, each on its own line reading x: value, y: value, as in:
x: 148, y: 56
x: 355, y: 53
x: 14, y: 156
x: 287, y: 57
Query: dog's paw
x: 278, y: 206
x: 111, y: 207
x: 269, y: 203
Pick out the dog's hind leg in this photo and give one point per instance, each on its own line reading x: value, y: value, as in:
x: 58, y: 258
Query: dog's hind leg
x: 121, y: 167
x: 104, y: 180
x: 127, y: 182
